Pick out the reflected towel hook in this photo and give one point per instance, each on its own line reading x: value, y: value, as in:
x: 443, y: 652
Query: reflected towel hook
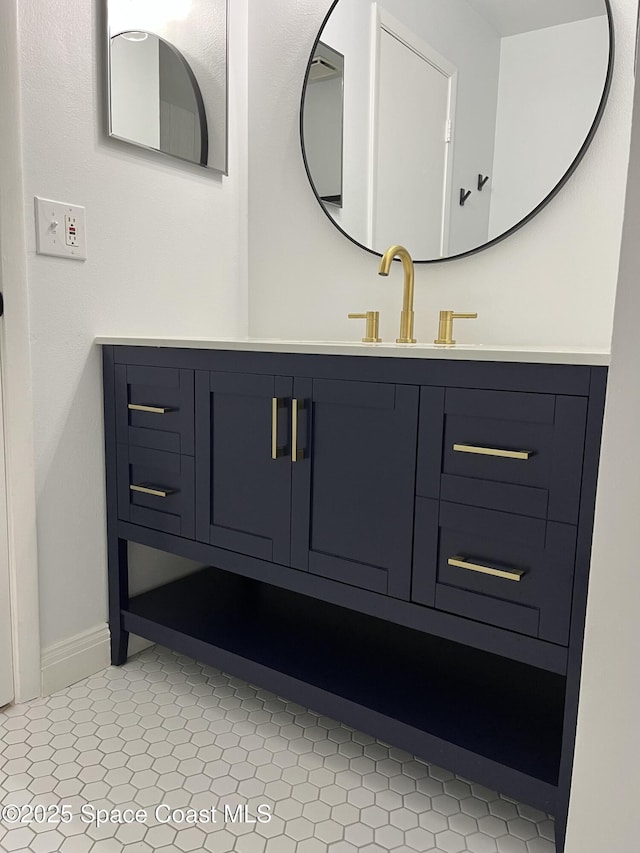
x: 464, y: 195
x: 482, y: 180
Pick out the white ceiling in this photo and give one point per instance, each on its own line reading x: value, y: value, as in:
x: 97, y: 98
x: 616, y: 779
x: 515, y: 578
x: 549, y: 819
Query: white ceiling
x: 510, y: 17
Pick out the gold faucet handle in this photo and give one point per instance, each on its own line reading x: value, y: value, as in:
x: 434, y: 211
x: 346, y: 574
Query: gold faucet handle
x: 445, y: 326
x: 373, y: 324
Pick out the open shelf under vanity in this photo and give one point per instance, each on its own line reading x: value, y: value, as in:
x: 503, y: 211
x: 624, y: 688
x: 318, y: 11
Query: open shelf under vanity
x: 459, y: 706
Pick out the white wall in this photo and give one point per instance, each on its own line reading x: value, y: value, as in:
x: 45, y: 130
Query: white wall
x: 553, y: 282
x: 544, y: 113
x: 167, y: 249
x: 603, y: 814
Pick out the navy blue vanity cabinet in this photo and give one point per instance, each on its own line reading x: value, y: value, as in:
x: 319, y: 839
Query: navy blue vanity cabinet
x: 402, y: 544
x: 353, y: 483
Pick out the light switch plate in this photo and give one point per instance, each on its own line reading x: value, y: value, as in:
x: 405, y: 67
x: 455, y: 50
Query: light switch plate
x: 60, y: 229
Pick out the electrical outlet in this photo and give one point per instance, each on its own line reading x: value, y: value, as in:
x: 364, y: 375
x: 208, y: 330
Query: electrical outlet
x: 71, y: 230
x: 60, y: 229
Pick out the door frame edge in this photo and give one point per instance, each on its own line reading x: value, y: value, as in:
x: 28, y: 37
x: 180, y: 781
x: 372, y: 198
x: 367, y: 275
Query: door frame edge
x: 15, y: 363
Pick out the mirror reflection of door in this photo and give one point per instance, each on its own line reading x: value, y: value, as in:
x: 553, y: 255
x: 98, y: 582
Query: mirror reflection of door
x: 155, y: 98
x: 323, y: 117
x: 180, y: 118
x: 411, y: 165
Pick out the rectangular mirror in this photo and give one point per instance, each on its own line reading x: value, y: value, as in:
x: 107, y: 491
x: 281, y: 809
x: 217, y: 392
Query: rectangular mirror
x: 167, y: 74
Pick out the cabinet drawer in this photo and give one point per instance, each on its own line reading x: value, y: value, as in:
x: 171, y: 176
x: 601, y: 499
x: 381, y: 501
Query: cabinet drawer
x: 494, y: 567
x: 509, y: 451
x: 155, y: 408
x: 156, y: 489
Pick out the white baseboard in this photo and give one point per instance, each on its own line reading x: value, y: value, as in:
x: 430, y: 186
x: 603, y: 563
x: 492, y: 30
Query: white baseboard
x: 78, y: 657
x: 69, y: 661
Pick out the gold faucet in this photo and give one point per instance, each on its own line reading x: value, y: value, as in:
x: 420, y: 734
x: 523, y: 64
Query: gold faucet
x: 445, y: 326
x: 373, y: 326
x: 406, y: 317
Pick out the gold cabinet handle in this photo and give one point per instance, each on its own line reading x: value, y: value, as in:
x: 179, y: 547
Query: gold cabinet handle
x: 156, y: 410
x: 493, y: 451
x: 148, y: 490
x: 507, y: 574
x: 296, y: 453
x: 276, y: 452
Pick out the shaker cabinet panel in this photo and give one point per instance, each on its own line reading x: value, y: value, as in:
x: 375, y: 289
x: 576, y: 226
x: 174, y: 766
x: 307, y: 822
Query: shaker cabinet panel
x: 243, y: 493
x: 353, y: 488
x: 490, y: 448
x: 507, y: 570
x: 156, y: 489
x: 154, y: 407
x: 515, y: 452
x: 524, y: 500
x: 519, y: 406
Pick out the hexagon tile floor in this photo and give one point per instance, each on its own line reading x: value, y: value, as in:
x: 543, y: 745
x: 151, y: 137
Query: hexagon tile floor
x: 166, y: 732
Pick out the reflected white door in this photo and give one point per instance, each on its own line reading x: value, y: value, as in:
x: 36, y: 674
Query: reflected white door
x: 6, y: 652
x: 410, y: 160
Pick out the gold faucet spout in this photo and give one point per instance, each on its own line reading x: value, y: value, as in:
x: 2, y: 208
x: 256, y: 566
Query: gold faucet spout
x: 407, y: 315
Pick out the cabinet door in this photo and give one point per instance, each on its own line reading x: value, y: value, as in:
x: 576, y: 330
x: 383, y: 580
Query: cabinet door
x: 243, y: 495
x: 353, y: 488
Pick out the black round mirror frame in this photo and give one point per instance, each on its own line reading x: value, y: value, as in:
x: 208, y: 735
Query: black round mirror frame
x: 522, y: 222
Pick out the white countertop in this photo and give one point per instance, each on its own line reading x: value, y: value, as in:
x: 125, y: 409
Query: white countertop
x: 468, y: 352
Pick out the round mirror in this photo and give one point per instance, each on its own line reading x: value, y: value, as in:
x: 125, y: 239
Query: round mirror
x: 155, y: 100
x: 445, y: 125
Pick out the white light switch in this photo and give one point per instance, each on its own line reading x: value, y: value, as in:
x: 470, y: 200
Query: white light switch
x: 60, y: 229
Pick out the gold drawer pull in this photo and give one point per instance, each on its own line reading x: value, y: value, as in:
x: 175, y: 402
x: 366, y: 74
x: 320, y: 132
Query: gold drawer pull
x: 276, y: 452
x: 493, y: 451
x: 296, y: 453
x: 147, y: 490
x: 507, y: 574
x: 156, y: 410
